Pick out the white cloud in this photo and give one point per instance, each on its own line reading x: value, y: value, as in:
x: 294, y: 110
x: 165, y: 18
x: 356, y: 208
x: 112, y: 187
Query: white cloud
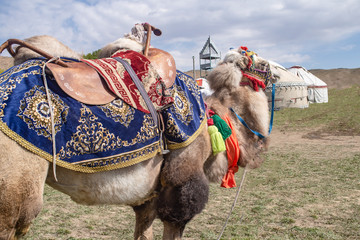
x: 348, y: 47
x: 283, y: 30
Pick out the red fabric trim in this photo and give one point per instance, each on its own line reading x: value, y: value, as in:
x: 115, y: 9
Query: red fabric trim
x: 121, y: 84
x: 244, y: 83
x: 233, y: 155
x: 317, y: 86
x: 209, y: 114
x: 256, y: 83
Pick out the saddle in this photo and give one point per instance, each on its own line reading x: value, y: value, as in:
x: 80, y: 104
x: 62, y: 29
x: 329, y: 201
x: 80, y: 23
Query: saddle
x: 83, y: 83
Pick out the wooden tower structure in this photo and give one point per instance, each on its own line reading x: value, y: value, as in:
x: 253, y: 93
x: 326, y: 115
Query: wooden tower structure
x: 208, y: 56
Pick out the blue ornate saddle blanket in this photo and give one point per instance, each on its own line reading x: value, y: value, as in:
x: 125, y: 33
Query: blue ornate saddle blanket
x: 92, y: 138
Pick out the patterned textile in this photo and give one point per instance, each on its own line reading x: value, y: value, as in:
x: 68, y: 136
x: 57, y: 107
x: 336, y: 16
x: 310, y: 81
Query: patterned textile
x: 259, y: 78
x: 185, y: 119
x: 121, y: 84
x: 92, y: 138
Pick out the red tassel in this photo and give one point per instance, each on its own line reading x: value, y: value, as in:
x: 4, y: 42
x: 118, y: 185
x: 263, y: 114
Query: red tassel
x: 244, y: 48
x: 233, y: 155
x: 255, y: 82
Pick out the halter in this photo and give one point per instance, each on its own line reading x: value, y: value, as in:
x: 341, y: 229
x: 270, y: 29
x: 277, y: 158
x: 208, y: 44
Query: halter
x: 256, y: 78
x: 271, y: 119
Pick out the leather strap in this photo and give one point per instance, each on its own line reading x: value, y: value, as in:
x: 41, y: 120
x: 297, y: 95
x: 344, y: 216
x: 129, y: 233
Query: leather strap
x: 141, y: 89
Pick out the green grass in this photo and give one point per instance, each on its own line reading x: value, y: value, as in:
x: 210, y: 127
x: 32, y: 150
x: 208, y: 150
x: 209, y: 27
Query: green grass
x: 291, y: 197
x: 306, y: 189
x: 341, y: 115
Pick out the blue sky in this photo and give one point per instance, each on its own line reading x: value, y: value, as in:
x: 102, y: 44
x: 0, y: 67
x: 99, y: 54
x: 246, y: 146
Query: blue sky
x: 317, y: 34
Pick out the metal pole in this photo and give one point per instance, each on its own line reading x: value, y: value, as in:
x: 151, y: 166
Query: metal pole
x: 200, y: 63
x: 194, y: 67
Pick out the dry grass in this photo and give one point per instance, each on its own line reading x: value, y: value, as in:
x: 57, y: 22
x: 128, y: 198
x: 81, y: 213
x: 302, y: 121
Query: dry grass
x: 307, y: 188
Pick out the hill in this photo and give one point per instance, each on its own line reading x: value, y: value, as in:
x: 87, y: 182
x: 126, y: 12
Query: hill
x: 6, y: 62
x: 339, y: 78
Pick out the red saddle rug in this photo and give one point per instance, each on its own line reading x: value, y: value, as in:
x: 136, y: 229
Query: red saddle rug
x: 121, y: 84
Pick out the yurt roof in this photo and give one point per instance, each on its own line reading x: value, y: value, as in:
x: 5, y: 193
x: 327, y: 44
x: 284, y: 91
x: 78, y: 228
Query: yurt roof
x: 308, y: 77
x: 286, y: 77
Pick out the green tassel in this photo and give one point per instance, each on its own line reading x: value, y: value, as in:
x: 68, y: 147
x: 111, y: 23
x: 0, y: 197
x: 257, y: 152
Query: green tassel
x: 217, y: 141
x: 222, y: 126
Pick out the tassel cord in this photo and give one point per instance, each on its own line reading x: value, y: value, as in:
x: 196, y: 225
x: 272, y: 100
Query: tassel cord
x: 48, y: 96
x: 234, y: 203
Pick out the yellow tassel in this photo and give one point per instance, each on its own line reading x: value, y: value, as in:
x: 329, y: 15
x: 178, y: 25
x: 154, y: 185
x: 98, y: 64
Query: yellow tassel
x: 217, y: 141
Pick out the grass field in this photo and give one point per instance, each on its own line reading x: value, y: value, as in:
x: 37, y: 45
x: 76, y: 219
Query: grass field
x: 307, y: 188
x: 341, y: 115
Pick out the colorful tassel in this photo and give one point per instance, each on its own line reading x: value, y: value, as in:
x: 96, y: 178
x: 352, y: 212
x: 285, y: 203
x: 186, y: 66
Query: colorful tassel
x: 222, y: 126
x: 217, y: 141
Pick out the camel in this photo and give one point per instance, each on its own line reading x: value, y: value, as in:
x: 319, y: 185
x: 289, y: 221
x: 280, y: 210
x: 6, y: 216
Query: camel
x: 173, y: 187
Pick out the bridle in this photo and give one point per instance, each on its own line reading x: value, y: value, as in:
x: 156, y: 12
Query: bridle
x: 271, y: 118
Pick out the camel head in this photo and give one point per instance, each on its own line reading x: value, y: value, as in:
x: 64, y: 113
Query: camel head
x: 237, y: 86
x: 245, y: 61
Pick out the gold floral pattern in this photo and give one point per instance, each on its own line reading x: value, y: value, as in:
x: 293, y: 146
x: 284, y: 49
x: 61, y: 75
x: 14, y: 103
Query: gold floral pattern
x: 92, y: 137
x: 119, y: 111
x: 35, y: 111
x: 127, y: 159
x: 10, y: 82
x: 182, y: 107
x: 173, y: 129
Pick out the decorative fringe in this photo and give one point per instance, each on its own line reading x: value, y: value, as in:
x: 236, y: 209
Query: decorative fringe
x: 222, y: 126
x: 256, y: 82
x: 217, y: 141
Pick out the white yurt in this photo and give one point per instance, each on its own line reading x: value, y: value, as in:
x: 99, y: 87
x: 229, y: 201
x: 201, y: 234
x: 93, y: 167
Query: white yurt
x: 290, y: 90
x: 317, y: 89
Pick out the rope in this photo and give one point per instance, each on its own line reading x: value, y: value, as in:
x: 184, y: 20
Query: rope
x: 244, y: 123
x: 234, y: 203
x: 272, y: 107
x: 271, y: 118
x: 54, y: 59
x: 141, y: 89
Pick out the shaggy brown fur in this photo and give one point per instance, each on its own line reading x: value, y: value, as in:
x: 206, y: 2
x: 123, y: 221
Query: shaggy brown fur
x: 175, y: 193
x: 179, y: 204
x: 250, y: 105
x: 21, y: 188
x: 179, y: 195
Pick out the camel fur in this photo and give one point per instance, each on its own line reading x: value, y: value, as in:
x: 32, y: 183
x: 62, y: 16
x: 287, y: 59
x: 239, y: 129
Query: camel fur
x: 46, y: 43
x: 172, y: 187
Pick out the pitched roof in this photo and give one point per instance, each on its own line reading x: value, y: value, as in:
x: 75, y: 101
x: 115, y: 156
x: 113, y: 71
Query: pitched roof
x: 209, y: 51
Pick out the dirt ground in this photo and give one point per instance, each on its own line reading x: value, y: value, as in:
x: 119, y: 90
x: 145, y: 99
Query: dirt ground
x: 314, y: 142
x: 66, y: 220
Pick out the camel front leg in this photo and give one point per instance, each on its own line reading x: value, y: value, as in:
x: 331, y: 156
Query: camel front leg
x: 172, y: 232
x: 145, y: 216
x: 177, y: 205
